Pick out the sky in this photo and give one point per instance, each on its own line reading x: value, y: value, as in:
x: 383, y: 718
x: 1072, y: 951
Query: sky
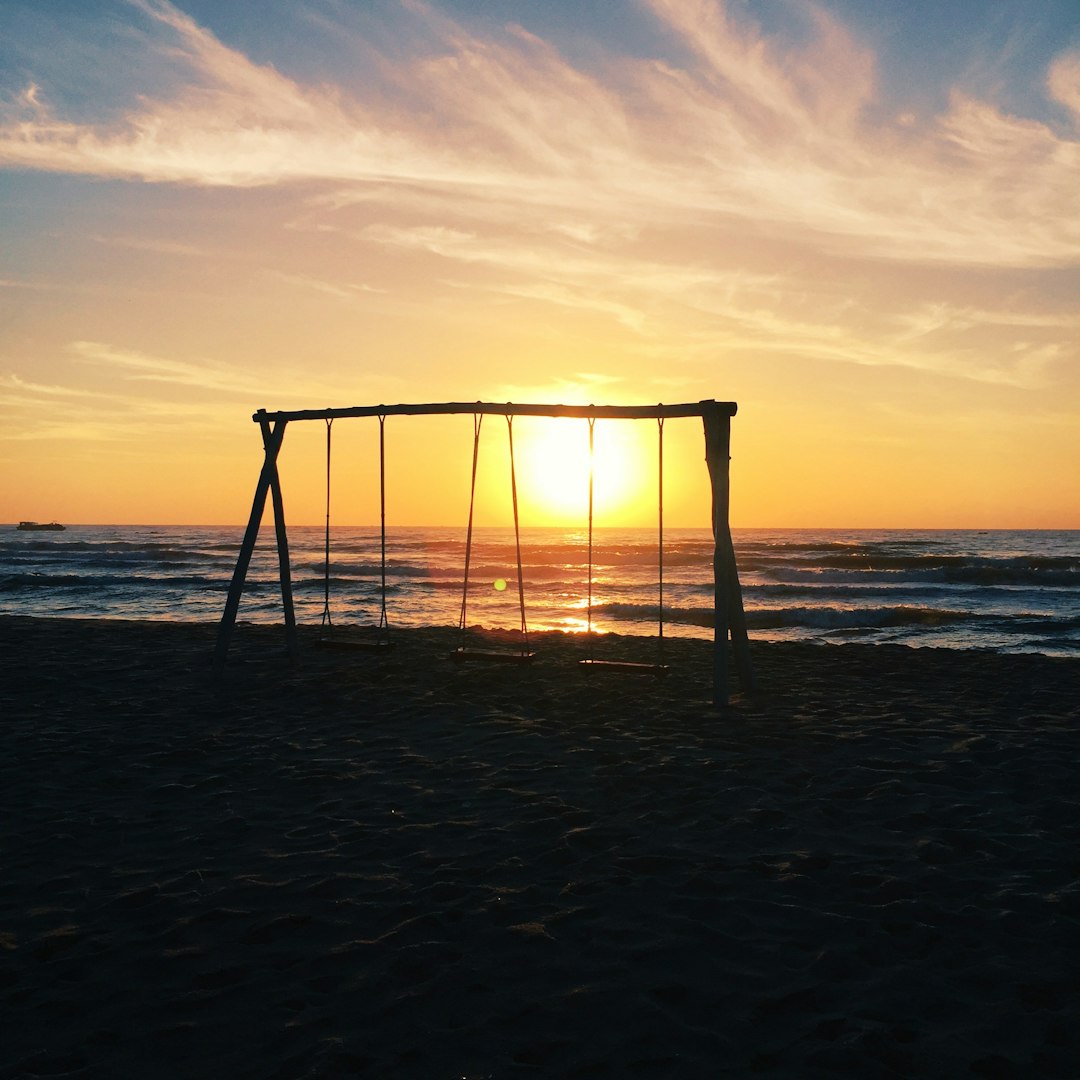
x: 859, y: 221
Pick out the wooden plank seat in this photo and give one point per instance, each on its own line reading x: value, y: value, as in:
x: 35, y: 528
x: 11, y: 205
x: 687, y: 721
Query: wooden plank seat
x: 626, y: 666
x: 359, y: 644
x: 495, y: 656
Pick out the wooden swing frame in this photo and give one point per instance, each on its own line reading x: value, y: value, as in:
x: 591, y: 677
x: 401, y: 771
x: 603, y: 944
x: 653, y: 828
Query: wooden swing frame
x: 729, y: 618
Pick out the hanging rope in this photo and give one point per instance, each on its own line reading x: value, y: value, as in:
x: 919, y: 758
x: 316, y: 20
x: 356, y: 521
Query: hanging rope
x: 517, y: 535
x: 478, y: 419
x: 660, y: 531
x: 382, y: 631
x: 326, y: 620
x: 592, y: 425
x: 522, y: 655
x: 384, y: 623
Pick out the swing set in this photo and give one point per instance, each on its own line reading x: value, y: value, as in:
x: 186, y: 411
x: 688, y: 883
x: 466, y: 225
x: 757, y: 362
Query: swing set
x: 727, y: 594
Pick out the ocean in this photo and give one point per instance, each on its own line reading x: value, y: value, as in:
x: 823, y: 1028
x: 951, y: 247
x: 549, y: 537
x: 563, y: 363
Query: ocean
x: 1008, y: 591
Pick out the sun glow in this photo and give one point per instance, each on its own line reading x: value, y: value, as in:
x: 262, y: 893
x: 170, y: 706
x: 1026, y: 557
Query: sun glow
x: 553, y: 476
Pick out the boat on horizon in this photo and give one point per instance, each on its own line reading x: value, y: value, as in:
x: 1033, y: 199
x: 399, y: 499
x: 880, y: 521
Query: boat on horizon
x: 33, y: 526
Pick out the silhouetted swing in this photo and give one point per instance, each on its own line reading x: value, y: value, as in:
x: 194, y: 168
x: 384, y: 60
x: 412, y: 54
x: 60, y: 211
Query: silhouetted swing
x: 328, y: 638
x: 729, y: 619
x: 658, y: 669
x: 463, y: 652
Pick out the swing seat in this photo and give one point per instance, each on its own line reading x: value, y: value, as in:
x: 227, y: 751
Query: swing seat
x: 496, y: 656
x: 350, y: 644
x: 627, y: 667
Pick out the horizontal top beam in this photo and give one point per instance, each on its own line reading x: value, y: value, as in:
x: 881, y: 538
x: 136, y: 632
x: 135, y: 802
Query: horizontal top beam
x: 624, y: 412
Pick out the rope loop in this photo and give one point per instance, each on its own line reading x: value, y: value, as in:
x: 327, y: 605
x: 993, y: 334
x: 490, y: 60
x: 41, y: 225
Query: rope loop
x: 592, y: 427
x: 384, y: 622
x: 326, y: 619
x: 517, y: 534
x: 660, y: 531
x: 478, y: 420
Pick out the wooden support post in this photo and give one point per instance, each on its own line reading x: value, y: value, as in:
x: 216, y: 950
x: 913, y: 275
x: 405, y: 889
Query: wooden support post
x: 729, y: 617
x: 268, y: 475
x: 284, y: 566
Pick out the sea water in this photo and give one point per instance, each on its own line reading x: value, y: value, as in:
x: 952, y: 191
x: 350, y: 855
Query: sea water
x: 1009, y: 591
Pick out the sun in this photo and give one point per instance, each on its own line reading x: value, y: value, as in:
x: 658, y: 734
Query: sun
x: 553, y: 474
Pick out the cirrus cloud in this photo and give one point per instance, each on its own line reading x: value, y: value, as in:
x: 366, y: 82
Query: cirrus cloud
x: 743, y: 129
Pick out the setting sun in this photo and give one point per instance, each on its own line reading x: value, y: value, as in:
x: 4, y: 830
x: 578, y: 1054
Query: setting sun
x: 553, y: 475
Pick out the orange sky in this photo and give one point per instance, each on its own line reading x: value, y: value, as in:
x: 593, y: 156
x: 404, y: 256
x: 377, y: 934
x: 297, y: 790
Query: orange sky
x: 342, y: 204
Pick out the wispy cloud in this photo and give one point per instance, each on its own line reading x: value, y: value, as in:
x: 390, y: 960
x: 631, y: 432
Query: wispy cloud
x: 10, y: 283
x: 347, y: 291
x: 580, y: 388
x: 156, y: 247
x: 22, y: 391
x: 129, y: 395
x: 46, y: 412
x: 689, y: 310
x: 208, y: 380
x: 215, y: 378
x: 1063, y: 82
x: 749, y: 129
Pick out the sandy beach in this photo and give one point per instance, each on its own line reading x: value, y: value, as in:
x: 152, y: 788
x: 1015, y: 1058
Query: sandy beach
x: 394, y: 866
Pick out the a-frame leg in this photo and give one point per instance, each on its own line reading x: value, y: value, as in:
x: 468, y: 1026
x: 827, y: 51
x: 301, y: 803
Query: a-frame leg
x: 268, y: 476
x: 284, y: 566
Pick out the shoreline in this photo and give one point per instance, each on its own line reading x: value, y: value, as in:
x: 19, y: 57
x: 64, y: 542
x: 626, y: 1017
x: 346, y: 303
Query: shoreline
x: 401, y: 867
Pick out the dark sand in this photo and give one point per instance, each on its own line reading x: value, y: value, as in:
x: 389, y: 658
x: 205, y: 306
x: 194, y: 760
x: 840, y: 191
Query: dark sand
x: 395, y: 867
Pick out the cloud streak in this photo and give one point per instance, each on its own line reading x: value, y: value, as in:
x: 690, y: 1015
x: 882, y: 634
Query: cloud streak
x: 684, y: 309
x: 212, y: 378
x: 746, y: 129
x: 134, y: 395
